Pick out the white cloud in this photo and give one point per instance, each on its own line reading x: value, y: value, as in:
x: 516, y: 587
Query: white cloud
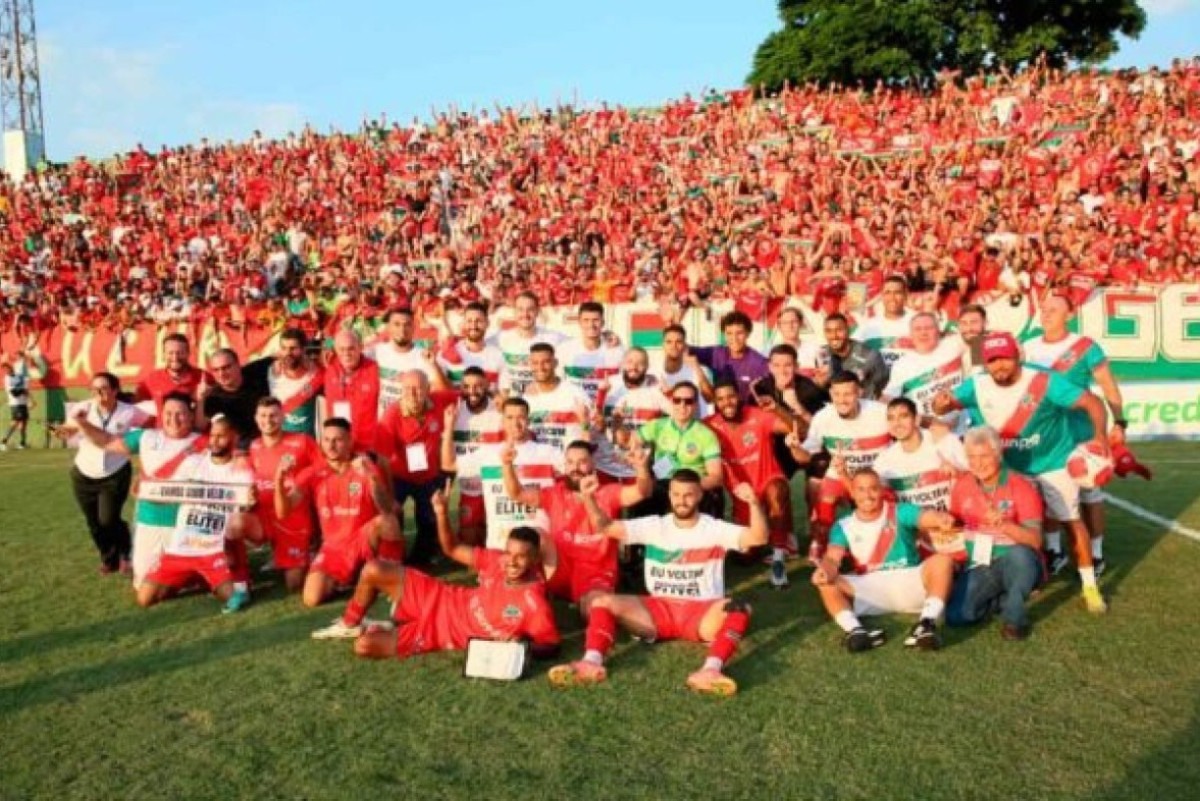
x: 1163, y: 8
x: 101, y: 100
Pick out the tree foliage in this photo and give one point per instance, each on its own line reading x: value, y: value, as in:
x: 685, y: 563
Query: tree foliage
x: 869, y: 40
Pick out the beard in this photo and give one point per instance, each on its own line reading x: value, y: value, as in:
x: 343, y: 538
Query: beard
x: 633, y: 379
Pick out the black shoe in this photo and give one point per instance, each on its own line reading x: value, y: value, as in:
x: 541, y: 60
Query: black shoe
x: 1013, y: 633
x: 862, y: 640
x: 924, y: 636
x: 1056, y: 562
x: 1098, y: 565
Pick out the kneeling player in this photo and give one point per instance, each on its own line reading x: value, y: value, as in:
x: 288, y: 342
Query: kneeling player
x: 430, y: 615
x: 881, y: 539
x: 196, y: 546
x: 685, y: 573
x: 354, y: 506
x: 581, y: 563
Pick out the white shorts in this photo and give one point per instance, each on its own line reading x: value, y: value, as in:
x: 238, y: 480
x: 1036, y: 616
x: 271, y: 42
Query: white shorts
x: 1093, y: 495
x: 887, y: 592
x: 148, y: 544
x: 1060, y: 494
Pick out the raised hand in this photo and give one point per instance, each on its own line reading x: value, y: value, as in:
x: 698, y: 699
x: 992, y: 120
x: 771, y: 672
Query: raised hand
x: 745, y: 493
x: 588, y: 485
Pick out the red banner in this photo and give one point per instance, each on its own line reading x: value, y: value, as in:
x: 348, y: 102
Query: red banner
x: 71, y: 358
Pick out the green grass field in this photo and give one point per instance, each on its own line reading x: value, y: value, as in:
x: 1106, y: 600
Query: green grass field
x: 99, y: 699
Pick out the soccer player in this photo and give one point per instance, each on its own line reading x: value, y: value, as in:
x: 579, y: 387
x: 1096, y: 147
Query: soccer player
x: 921, y: 465
x: 515, y: 344
x: 559, y: 411
x: 841, y: 354
x: 685, y: 576
x: 889, y: 576
x: 1001, y: 512
x: 745, y: 434
x: 680, y: 364
x: 580, y: 561
x: 296, y: 381
x: 972, y: 325
x: 176, y: 376
x: 471, y: 349
x: 853, y: 432
x: 1031, y: 410
x: 631, y: 399
x: 196, y: 547
x: 808, y: 354
x: 16, y: 388
x: 351, y: 389
x: 161, y: 451
x: 354, y: 506
x: 735, y: 359
x: 473, y: 423
x: 1081, y: 361
x: 888, y: 333
x: 290, y: 537
x: 536, y: 464
x: 430, y: 615
x: 589, y: 361
x: 398, y: 355
x: 933, y: 363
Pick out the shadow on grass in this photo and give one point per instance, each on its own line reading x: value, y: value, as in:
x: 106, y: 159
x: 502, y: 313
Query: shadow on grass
x: 1171, y: 771
x: 66, y: 686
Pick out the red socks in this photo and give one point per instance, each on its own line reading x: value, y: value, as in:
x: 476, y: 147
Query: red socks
x: 391, y: 550
x: 239, y: 562
x: 354, y: 614
x: 726, y: 642
x: 601, y: 630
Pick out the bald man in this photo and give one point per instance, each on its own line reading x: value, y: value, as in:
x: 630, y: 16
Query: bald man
x: 352, y: 389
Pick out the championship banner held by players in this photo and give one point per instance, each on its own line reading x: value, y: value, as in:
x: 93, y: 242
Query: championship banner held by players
x: 238, y: 495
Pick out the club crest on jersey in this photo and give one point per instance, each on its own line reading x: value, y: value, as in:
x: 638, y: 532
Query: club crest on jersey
x: 355, y: 488
x: 690, y: 449
x: 749, y: 439
x: 511, y: 612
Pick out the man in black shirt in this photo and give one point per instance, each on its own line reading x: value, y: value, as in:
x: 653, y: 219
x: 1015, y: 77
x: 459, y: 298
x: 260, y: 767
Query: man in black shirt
x: 235, y: 393
x: 785, y: 386
x: 844, y: 353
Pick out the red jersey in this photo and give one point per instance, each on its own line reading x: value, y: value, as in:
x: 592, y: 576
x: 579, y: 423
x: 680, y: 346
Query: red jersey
x: 355, y: 396
x: 343, y: 500
x: 158, y: 384
x: 264, y: 460
x: 400, y: 439
x: 746, y: 447
x: 1015, y: 497
x: 575, y: 538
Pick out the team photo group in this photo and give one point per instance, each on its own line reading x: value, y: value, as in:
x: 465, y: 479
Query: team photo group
x: 924, y: 466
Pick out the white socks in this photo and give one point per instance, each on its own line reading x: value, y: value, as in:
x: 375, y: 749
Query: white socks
x: 1054, y: 541
x: 713, y: 663
x: 1098, y: 547
x: 1088, y: 576
x: 847, y: 620
x: 593, y: 657
x: 933, y: 608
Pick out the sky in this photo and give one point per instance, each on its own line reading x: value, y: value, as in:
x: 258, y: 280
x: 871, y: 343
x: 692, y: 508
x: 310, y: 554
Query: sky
x: 154, y: 72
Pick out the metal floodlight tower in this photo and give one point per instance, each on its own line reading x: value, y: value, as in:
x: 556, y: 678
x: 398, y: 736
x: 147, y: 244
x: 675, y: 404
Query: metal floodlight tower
x: 20, y: 88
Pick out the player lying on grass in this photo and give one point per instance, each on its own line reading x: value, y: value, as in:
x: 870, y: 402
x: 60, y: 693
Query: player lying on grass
x: 685, y: 574
x: 889, y: 576
x: 430, y: 615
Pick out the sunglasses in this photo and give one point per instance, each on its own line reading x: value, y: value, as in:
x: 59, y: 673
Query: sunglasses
x: 683, y: 401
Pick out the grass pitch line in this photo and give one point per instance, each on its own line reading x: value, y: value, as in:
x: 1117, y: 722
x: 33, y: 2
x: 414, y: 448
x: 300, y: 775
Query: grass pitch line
x: 1151, y: 517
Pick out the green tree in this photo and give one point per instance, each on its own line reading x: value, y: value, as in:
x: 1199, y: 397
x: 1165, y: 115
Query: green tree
x: 869, y: 40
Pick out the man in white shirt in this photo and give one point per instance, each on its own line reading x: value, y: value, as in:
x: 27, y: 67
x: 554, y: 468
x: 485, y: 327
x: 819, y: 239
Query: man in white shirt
x: 589, y: 361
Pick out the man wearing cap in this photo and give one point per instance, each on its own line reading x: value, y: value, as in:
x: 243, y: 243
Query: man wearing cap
x: 1031, y: 409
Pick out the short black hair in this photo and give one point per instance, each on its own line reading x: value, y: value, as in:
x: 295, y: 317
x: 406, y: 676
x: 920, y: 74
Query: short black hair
x: 591, y: 306
x: 736, y: 317
x: 783, y: 349
x: 907, y: 403
x: 294, y: 335
x: 845, y: 377
x: 515, y: 401
x: 686, y: 475
x: 337, y: 422
x: 268, y: 401
x: 475, y: 370
x: 541, y: 347
x: 527, y: 535
x: 180, y: 397
x: 837, y: 317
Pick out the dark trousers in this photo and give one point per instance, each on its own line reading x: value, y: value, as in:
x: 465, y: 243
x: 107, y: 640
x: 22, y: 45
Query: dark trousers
x: 426, y: 544
x: 101, y: 501
x: 999, y: 588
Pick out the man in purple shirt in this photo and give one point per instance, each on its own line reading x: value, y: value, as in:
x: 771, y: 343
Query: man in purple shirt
x: 734, y: 360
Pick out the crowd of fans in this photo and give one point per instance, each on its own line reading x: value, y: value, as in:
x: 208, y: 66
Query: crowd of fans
x: 1003, y: 182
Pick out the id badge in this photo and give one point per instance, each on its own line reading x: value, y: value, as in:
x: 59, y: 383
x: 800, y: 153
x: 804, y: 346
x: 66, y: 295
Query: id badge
x: 414, y: 455
x: 982, y: 553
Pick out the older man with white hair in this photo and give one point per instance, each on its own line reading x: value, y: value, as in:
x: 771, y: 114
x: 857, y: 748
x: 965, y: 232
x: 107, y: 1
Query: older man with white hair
x: 352, y: 389
x: 1001, y: 514
x: 409, y: 437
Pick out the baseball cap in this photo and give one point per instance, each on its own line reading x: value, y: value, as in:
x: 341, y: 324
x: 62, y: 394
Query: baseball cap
x: 1000, y: 345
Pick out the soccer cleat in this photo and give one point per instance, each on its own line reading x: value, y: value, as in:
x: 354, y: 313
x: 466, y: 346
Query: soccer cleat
x: 861, y: 639
x: 338, y: 630
x: 1099, y: 566
x: 238, y: 601
x: 1056, y: 562
x: 711, y: 682
x: 1094, y: 600
x: 924, y: 636
x: 779, y: 576
x: 576, y: 674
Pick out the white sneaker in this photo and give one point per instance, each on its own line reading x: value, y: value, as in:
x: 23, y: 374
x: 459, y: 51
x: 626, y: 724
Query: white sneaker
x: 779, y: 577
x: 338, y: 630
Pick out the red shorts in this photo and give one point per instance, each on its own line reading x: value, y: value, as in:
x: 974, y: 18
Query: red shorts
x: 573, y: 579
x: 342, y: 559
x: 421, y: 616
x: 290, y: 548
x: 676, y: 619
x: 176, y: 571
x: 471, y: 511
x: 741, y: 511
